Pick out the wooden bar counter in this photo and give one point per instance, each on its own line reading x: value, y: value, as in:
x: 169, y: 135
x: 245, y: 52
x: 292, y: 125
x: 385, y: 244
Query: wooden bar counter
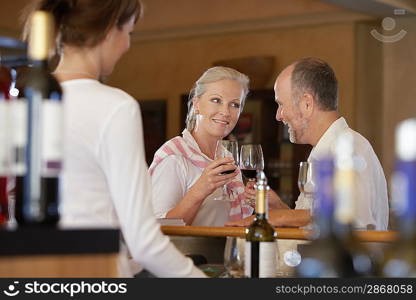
x: 282, y: 233
x: 50, y: 252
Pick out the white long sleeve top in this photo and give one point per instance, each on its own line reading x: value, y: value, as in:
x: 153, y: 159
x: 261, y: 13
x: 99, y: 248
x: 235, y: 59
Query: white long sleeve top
x: 105, y: 179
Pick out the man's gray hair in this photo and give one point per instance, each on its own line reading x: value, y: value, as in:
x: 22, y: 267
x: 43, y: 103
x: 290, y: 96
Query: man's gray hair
x: 315, y: 76
x: 211, y: 75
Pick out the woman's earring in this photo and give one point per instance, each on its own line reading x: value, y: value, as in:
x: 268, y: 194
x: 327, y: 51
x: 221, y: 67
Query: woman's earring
x: 198, y: 119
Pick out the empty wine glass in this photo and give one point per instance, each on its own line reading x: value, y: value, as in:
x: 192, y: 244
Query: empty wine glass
x: 234, y: 257
x: 251, y: 160
x: 226, y: 148
x: 306, y: 181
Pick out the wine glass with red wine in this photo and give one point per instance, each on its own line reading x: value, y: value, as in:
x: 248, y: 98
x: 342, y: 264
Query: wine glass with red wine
x: 226, y: 148
x: 251, y: 160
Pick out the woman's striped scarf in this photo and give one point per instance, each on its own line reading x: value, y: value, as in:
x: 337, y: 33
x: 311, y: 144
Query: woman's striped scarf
x: 183, y: 146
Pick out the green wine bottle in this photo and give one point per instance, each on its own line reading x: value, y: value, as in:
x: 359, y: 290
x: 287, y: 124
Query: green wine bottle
x: 39, y: 131
x: 261, y: 248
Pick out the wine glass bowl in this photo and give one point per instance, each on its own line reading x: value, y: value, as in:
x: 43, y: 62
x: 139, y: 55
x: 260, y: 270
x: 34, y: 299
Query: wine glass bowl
x: 251, y: 160
x: 306, y: 179
x: 234, y: 257
x: 226, y: 148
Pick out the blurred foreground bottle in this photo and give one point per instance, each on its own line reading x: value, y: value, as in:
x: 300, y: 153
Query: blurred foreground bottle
x: 360, y: 260
x: 325, y: 256
x: 400, y: 258
x: 335, y: 251
x: 38, y: 125
x: 261, y: 248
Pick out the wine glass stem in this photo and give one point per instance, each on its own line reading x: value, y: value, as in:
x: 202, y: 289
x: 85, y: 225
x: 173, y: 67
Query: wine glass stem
x: 224, y: 191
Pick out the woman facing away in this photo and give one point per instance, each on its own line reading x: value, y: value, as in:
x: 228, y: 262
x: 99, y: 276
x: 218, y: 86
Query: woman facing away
x: 184, y: 173
x: 105, y: 180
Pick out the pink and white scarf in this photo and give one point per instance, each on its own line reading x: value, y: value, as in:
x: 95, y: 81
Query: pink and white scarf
x: 186, y: 146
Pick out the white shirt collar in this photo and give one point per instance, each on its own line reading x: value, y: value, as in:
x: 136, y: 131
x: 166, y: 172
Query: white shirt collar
x: 325, y: 143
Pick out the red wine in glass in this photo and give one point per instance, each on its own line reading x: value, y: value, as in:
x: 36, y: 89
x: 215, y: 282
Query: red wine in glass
x: 226, y: 148
x: 251, y: 160
x: 250, y: 174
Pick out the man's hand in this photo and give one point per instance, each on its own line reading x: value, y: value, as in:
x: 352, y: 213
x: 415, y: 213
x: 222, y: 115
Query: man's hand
x: 279, y: 218
x: 273, y: 199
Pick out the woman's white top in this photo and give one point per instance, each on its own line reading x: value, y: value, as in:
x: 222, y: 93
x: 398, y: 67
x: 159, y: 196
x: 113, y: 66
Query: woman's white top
x: 172, y: 179
x: 105, y: 179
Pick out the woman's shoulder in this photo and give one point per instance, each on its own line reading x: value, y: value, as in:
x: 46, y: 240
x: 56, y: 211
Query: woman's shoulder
x: 168, y: 164
x: 116, y: 94
x: 169, y: 148
x: 95, y: 91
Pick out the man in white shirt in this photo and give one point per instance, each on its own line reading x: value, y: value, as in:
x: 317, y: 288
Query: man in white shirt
x: 307, y: 95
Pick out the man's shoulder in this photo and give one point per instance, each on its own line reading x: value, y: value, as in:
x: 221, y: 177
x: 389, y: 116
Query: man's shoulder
x: 361, y: 142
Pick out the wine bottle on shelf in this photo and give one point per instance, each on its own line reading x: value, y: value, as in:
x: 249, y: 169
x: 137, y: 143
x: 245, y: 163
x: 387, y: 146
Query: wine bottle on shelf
x: 5, y: 153
x: 335, y: 251
x: 261, y: 248
x: 400, y: 257
x: 38, y: 119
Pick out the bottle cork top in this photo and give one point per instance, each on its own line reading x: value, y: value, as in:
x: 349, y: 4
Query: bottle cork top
x: 40, y: 38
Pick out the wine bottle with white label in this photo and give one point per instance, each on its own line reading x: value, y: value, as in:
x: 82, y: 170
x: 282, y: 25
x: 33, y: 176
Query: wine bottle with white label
x: 325, y: 256
x: 261, y: 248
x: 38, y: 124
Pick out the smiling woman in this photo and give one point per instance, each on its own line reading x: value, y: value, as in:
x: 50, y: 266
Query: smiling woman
x: 185, y: 176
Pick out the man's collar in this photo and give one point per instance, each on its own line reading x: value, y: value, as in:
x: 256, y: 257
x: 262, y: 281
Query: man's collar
x: 327, y: 138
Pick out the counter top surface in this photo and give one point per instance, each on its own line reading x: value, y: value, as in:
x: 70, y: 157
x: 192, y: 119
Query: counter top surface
x: 282, y: 233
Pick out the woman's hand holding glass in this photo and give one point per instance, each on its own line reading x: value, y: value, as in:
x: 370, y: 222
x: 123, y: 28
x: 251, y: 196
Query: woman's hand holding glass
x: 213, y: 177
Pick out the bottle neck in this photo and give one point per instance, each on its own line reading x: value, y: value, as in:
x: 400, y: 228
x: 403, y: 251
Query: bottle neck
x: 261, y: 202
x: 40, y: 38
x: 261, y: 216
x: 39, y: 64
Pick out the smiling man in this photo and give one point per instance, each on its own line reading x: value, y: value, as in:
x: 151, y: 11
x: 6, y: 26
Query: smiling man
x: 307, y: 96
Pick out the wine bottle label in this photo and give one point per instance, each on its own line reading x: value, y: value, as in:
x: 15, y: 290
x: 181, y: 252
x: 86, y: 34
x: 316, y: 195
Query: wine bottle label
x: 18, y: 126
x: 4, y: 142
x: 52, y: 130
x: 260, y: 259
